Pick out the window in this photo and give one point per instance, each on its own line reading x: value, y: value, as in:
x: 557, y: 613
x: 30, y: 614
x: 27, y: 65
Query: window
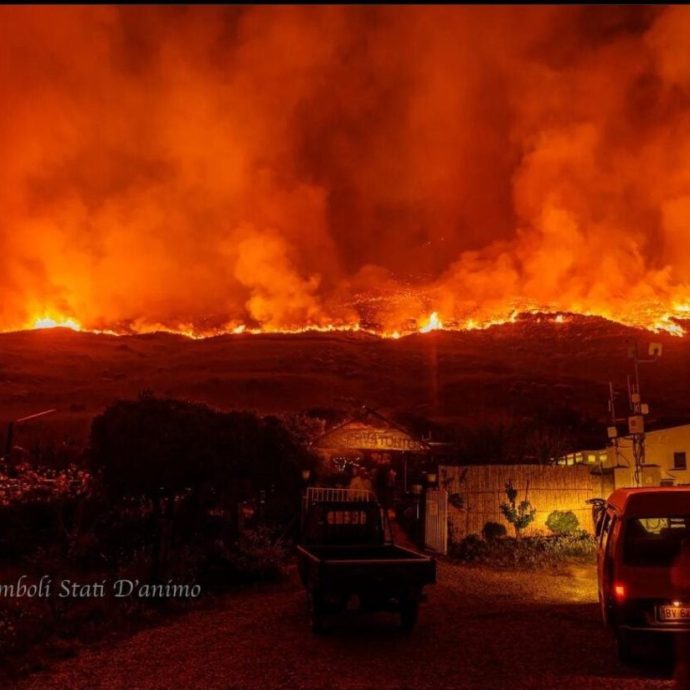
x: 603, y: 525
x: 655, y: 541
x: 680, y: 461
x: 610, y: 541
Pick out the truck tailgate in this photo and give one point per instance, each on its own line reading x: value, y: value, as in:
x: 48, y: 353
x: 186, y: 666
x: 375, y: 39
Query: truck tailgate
x: 356, y: 568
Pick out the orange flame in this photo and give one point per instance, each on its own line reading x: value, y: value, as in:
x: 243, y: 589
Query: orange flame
x: 433, y: 323
x: 44, y: 322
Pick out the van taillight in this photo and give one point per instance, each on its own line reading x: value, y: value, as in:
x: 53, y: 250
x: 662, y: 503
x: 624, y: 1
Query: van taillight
x: 619, y: 592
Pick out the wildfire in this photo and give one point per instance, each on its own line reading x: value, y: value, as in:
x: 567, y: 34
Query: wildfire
x: 223, y: 193
x: 44, y: 322
x: 433, y: 323
x: 665, y: 323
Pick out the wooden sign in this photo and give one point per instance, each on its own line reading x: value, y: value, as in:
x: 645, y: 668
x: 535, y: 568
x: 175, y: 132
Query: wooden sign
x: 368, y: 438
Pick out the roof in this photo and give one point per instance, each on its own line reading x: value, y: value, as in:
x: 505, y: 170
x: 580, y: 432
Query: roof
x: 355, y: 434
x: 656, y: 426
x: 652, y: 501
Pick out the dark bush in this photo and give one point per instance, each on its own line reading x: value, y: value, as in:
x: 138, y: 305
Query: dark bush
x: 562, y: 522
x: 577, y: 544
x: 494, y: 530
x: 527, y: 553
x: 471, y: 549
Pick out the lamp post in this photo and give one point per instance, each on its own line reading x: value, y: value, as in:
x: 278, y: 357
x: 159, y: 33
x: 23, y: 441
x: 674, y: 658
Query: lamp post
x: 9, y: 439
x: 306, y: 476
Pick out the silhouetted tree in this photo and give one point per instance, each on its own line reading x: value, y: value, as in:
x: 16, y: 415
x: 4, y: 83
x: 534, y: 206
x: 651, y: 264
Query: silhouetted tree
x: 160, y: 446
x: 164, y: 449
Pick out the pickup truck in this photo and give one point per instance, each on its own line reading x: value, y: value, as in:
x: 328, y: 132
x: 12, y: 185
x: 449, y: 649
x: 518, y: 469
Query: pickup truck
x: 346, y: 550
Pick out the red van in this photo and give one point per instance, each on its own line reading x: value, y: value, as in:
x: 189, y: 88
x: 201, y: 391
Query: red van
x: 644, y: 563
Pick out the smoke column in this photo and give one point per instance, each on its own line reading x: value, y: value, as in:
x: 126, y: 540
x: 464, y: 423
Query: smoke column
x: 284, y: 167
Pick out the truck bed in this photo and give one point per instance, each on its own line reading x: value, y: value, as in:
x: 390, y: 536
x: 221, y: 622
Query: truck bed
x: 357, y: 569
x: 363, y: 553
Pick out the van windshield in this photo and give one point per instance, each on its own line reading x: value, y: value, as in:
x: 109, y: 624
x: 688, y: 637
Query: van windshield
x: 655, y: 541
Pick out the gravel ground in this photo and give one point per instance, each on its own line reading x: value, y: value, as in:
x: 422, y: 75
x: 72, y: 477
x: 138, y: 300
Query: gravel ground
x: 479, y: 629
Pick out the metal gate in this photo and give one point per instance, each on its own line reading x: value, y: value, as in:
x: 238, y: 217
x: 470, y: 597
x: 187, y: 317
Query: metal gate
x: 436, y: 521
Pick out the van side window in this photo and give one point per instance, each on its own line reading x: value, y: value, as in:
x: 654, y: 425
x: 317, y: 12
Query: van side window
x: 601, y: 521
x: 603, y: 527
x: 609, y: 537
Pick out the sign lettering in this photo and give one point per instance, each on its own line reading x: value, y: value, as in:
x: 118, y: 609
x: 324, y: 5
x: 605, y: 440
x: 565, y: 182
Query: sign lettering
x: 371, y: 439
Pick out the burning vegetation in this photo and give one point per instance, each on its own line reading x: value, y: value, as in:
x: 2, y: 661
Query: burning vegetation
x: 215, y: 169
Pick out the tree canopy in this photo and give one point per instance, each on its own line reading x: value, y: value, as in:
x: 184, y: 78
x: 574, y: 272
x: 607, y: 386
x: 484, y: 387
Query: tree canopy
x: 161, y: 446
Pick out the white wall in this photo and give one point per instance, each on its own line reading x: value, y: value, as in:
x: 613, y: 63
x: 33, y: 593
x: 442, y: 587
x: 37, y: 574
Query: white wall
x: 659, y: 449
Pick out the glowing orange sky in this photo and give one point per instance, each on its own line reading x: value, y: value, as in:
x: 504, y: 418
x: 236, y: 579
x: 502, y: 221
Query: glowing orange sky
x: 281, y: 167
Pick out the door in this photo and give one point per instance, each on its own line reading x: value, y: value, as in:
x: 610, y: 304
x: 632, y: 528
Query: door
x: 436, y: 521
x: 605, y: 564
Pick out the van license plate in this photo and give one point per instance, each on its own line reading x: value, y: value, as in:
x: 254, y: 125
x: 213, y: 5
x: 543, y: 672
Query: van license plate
x: 674, y: 613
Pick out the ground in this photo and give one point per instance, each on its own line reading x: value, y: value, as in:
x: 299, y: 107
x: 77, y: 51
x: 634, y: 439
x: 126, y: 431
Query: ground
x: 479, y: 629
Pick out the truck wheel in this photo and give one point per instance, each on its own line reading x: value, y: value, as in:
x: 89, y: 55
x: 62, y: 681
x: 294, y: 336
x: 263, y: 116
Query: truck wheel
x: 409, y: 612
x: 625, y: 648
x: 368, y: 603
x: 315, y: 608
x: 602, y: 609
x: 605, y: 608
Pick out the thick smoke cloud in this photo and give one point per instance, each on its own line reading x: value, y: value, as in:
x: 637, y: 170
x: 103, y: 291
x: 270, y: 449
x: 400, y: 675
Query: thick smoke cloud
x: 282, y: 167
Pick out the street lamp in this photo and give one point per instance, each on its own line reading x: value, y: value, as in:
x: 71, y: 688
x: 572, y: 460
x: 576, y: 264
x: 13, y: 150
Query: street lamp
x: 9, y: 439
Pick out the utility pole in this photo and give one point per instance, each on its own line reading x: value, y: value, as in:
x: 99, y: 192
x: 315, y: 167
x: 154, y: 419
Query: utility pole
x: 638, y: 409
x: 613, y: 429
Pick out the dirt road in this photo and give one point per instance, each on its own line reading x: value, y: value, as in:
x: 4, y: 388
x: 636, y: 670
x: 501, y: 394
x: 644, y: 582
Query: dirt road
x: 479, y: 629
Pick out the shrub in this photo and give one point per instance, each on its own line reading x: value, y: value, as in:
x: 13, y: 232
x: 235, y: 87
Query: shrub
x: 562, y: 522
x: 519, y: 515
x: 257, y: 555
x: 494, y: 530
x: 471, y: 549
x: 527, y: 553
x: 578, y: 544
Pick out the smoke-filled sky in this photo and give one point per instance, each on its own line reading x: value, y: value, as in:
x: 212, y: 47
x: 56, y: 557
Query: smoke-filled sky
x: 290, y: 166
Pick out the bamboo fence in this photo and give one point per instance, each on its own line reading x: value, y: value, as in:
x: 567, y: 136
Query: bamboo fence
x: 480, y: 489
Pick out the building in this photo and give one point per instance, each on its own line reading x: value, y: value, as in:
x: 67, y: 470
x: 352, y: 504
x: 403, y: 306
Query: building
x: 371, y: 440
x: 666, y: 458
x: 597, y: 457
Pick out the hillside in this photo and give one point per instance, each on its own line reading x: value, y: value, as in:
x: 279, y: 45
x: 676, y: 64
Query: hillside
x: 510, y: 370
